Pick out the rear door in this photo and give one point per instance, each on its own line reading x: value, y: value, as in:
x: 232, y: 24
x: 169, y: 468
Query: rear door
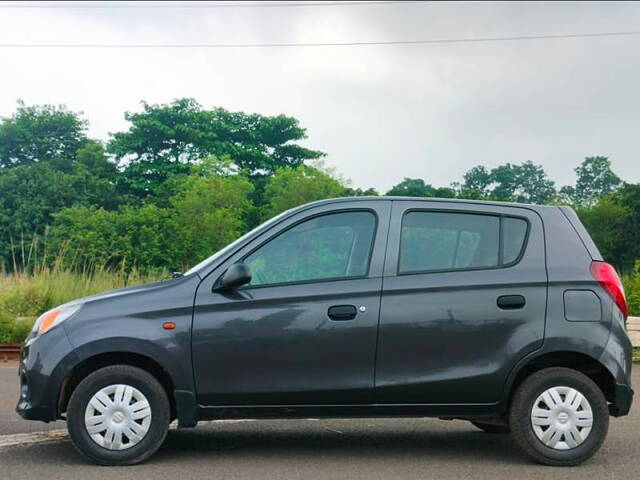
x: 463, y: 300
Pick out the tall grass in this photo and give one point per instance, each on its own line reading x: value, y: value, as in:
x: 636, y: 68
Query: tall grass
x: 24, y: 295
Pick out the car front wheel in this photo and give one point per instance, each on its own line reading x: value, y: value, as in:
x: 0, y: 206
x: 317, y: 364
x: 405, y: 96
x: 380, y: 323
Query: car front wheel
x: 559, y: 417
x: 118, y: 415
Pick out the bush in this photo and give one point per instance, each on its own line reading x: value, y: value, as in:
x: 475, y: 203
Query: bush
x: 14, y: 330
x: 632, y: 289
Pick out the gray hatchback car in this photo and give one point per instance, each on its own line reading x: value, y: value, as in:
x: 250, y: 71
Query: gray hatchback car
x: 504, y: 315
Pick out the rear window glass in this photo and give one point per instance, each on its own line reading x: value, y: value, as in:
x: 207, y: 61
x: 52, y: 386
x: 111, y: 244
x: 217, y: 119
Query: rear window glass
x: 448, y: 241
x: 436, y: 241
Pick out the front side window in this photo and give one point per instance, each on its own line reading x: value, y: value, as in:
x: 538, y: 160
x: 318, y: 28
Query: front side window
x: 333, y: 246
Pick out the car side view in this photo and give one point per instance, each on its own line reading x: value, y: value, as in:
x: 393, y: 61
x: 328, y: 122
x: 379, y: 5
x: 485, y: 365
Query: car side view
x: 505, y: 315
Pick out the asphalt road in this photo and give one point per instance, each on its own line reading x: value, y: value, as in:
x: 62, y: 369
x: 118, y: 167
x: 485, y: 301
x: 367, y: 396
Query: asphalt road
x: 10, y: 422
x: 327, y: 449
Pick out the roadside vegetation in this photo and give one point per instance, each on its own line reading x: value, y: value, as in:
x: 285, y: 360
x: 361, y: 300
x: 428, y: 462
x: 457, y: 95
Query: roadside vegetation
x: 79, y: 216
x: 25, y: 295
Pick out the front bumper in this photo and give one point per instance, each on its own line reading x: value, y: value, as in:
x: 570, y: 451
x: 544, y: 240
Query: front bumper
x: 26, y: 409
x: 44, y: 365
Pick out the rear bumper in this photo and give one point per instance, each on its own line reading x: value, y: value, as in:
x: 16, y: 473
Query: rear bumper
x: 624, y: 399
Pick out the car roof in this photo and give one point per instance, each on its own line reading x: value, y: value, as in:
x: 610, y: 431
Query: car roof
x: 422, y: 199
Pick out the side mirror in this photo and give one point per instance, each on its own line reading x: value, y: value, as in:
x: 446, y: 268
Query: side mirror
x: 237, y: 275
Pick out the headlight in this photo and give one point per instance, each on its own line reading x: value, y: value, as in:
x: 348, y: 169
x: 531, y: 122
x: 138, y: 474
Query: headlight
x: 50, y: 319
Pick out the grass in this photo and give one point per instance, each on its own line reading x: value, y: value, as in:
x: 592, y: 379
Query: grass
x: 26, y: 295
x: 636, y: 354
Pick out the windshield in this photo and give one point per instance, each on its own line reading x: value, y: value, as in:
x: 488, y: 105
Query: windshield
x: 221, y: 253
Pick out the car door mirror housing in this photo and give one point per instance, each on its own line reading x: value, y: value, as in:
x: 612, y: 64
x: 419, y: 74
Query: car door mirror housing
x: 237, y: 275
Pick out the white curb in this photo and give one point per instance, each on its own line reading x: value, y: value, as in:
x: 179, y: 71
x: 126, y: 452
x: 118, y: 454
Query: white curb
x: 62, y: 434
x: 31, y: 438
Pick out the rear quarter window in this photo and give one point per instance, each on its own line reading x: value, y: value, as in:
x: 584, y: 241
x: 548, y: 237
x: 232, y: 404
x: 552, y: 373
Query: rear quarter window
x: 514, y: 234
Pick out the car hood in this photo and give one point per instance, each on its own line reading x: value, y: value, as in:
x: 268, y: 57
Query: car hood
x: 121, y: 292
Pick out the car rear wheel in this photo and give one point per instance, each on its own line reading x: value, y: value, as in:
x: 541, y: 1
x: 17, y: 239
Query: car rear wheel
x: 559, y: 417
x: 118, y: 415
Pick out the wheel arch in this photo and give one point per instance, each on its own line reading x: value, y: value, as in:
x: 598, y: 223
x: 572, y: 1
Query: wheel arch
x: 581, y: 362
x: 93, y: 363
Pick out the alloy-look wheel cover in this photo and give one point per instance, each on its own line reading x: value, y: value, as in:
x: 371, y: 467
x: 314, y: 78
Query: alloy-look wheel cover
x: 118, y: 417
x: 561, y: 418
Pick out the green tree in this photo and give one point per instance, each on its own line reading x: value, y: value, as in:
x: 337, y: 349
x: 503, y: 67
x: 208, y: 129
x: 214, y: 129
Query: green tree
x: 416, y: 187
x: 93, y: 156
x: 44, y: 133
x: 209, y: 213
x: 613, y: 221
x: 412, y: 187
x: 594, y: 179
x: 629, y: 197
x: 290, y: 187
x: 46, y: 164
x: 31, y: 194
x: 606, y: 221
x: 525, y: 183
x: 359, y: 192
x: 476, y: 183
x: 206, y: 213
x: 165, y: 139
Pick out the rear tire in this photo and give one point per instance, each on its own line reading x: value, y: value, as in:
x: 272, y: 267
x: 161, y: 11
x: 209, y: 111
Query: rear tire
x: 118, y: 415
x: 559, y: 417
x: 492, y: 428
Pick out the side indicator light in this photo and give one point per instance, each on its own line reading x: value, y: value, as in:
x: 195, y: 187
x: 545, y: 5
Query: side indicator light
x: 168, y: 325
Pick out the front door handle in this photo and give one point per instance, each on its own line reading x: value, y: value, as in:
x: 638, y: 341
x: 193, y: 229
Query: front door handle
x: 342, y: 312
x: 511, y: 302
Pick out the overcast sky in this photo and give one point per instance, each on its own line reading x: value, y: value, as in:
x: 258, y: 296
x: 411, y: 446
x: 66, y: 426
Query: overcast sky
x: 381, y: 113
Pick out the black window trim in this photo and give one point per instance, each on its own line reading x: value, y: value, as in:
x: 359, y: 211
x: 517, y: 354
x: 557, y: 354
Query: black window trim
x: 500, y: 265
x: 320, y: 280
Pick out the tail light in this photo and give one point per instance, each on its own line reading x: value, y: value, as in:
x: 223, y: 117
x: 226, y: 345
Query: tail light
x: 607, y: 276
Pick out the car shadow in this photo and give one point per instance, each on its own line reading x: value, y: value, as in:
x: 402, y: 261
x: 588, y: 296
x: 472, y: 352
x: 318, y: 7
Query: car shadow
x: 281, y: 441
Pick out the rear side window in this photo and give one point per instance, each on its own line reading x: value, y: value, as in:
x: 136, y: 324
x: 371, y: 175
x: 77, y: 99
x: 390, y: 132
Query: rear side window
x: 436, y: 241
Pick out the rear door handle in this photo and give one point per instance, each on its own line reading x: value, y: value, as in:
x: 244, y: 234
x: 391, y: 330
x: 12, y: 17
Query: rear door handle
x: 511, y: 302
x: 342, y: 312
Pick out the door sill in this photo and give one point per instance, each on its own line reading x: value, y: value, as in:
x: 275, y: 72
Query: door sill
x: 214, y: 412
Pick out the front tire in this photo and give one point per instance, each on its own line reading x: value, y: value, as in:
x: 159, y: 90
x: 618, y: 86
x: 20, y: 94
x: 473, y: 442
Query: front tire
x: 559, y: 417
x: 118, y: 415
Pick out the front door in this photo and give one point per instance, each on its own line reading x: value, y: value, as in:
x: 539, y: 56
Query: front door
x: 464, y: 299
x: 303, y: 332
